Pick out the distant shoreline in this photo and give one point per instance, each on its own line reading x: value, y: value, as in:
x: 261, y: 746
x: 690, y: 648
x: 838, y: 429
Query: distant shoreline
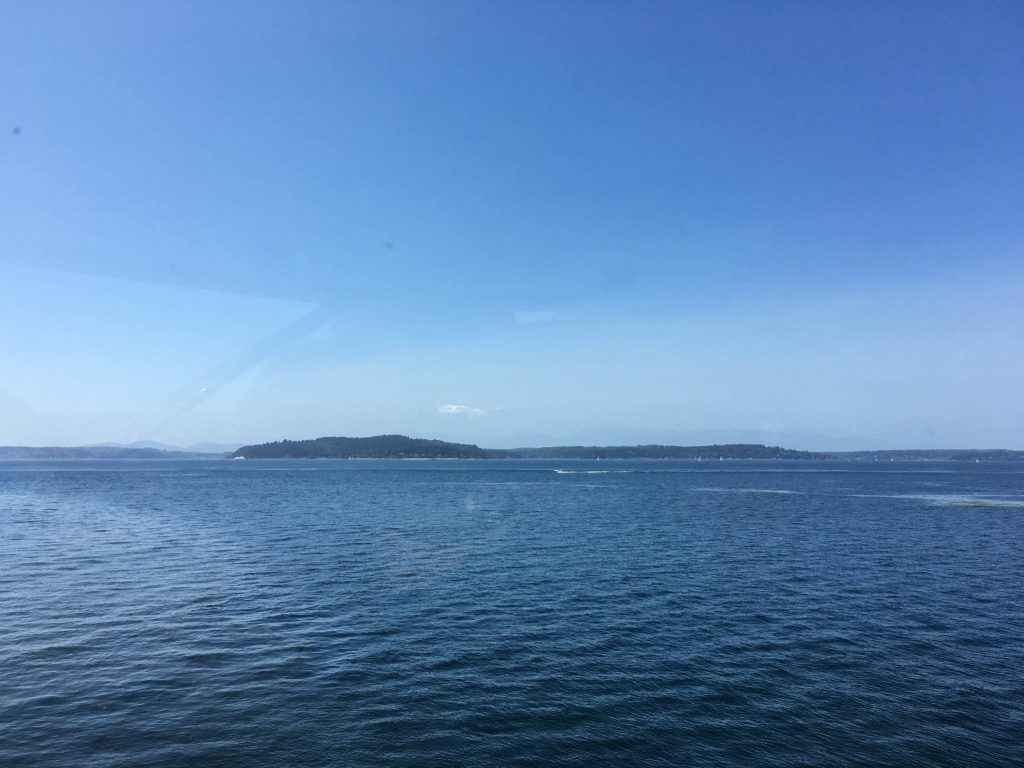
x: 400, y: 447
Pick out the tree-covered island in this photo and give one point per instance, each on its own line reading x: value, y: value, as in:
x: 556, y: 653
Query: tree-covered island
x: 402, y: 447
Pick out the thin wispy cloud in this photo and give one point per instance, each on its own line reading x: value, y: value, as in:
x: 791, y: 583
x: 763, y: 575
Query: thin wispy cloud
x: 463, y: 410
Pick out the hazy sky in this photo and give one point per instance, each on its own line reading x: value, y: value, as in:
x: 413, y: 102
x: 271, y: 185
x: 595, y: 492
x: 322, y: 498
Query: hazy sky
x: 507, y: 222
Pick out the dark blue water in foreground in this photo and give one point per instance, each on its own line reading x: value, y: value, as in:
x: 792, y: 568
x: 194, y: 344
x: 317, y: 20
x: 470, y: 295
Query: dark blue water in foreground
x: 372, y: 613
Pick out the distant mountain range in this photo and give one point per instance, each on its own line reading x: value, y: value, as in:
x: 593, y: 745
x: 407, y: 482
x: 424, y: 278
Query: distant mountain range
x: 98, y: 452
x: 402, y: 447
x: 194, y: 448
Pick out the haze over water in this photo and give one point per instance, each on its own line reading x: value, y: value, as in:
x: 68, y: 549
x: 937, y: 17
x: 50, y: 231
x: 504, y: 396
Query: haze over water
x: 488, y: 613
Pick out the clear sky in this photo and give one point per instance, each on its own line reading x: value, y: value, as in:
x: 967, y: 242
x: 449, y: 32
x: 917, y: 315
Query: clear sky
x: 510, y: 223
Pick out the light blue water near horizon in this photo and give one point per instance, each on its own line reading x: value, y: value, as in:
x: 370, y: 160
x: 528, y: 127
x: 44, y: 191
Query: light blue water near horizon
x: 383, y: 613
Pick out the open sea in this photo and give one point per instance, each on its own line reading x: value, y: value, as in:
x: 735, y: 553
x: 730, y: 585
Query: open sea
x: 511, y: 613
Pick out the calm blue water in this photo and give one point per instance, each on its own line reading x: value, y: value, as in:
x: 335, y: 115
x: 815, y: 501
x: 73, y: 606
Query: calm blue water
x: 373, y: 613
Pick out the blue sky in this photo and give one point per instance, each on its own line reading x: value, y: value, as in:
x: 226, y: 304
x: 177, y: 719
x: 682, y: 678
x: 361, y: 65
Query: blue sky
x: 515, y: 222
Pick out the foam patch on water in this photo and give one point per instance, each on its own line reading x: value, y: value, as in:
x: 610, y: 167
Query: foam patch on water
x: 988, y: 503
x: 594, y: 471
x: 782, y: 491
x: 953, y: 500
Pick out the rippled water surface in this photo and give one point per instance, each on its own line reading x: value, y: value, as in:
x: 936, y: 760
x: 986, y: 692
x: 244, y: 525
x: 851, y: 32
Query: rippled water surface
x: 374, y: 613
